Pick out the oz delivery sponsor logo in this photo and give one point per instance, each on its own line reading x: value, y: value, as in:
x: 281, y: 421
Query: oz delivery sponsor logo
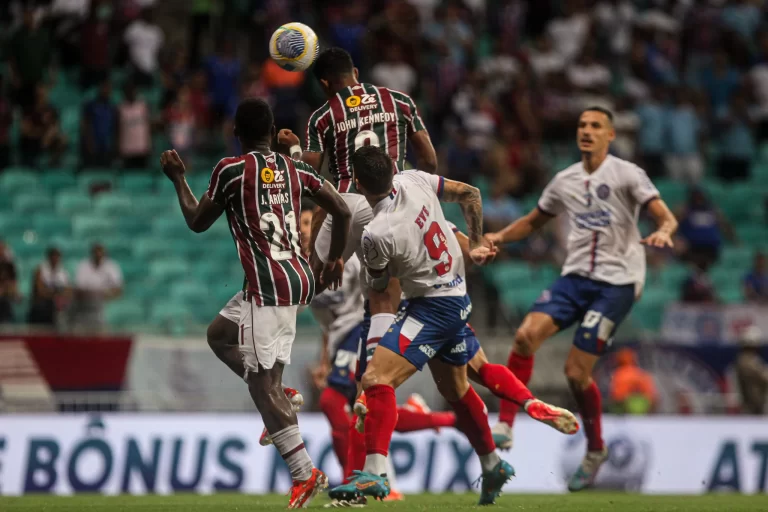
x: 90, y: 462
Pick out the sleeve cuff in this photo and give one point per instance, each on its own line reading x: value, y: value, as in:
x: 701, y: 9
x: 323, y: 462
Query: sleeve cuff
x: 440, y: 186
x: 545, y: 212
x: 650, y: 200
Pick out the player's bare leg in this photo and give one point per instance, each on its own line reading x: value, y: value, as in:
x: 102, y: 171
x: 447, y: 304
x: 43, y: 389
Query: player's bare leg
x: 503, y: 383
x: 222, y: 338
x: 472, y: 420
x: 578, y: 371
x: 536, y: 328
x: 265, y: 387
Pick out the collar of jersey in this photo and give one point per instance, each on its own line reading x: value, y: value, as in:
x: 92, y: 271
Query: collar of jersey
x: 385, y: 202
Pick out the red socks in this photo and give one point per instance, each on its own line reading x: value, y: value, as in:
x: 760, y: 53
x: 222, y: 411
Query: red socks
x: 522, y: 368
x: 591, y: 408
x: 334, y: 405
x: 356, y: 453
x: 381, y: 419
x: 503, y: 383
x: 472, y: 420
x: 410, y: 421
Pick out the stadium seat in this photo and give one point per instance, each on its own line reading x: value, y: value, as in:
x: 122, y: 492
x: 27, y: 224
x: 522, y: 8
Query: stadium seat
x: 71, y: 247
x: 92, y: 227
x: 87, y: 180
x: 674, y: 193
x: 131, y: 226
x: 737, y: 256
x: 71, y: 202
x: 56, y: 180
x: 30, y: 202
x: 169, y: 315
x: 125, y: 313
x: 49, y: 225
x: 113, y: 204
x: 169, y: 226
x: 12, y: 225
x: 153, y: 205
x: 134, y: 272
x: 167, y: 270
x: 150, y: 248
x: 136, y: 182
x: 15, y: 179
x: 118, y: 247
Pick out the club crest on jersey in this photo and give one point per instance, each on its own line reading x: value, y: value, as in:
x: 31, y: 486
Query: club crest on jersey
x: 272, y: 178
x: 363, y: 102
x: 603, y: 191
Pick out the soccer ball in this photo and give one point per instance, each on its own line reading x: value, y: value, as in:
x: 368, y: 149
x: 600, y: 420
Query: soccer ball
x: 294, y: 46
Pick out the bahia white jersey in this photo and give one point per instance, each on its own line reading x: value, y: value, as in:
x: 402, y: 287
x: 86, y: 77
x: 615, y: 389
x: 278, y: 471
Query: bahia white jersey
x: 340, y: 311
x: 410, y: 236
x: 361, y: 215
x: 603, y: 209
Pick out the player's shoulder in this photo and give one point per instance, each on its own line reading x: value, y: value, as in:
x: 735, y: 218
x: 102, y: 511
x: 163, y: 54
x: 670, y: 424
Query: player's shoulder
x: 229, y: 160
x: 321, y: 112
x: 626, y: 170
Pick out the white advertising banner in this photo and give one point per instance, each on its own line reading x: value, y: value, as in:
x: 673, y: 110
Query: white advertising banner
x: 128, y: 453
x: 714, y: 324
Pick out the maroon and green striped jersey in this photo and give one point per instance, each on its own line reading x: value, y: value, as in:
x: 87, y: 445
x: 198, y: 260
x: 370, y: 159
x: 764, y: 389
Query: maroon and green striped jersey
x: 362, y: 115
x: 261, y: 194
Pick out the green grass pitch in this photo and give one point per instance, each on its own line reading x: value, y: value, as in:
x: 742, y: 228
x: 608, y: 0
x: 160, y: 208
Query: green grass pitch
x: 584, y: 502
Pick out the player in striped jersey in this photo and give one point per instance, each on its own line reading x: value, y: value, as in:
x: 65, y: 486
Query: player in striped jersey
x: 261, y: 193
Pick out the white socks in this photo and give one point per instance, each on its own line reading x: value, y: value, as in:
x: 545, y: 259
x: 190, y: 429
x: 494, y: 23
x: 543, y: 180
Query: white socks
x: 290, y: 445
x: 376, y: 463
x: 488, y: 462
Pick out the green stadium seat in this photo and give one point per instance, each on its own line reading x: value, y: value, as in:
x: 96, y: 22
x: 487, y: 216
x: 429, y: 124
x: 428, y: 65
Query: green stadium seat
x: 170, y: 226
x: 131, y: 226
x: 167, y: 270
x: 49, y: 225
x: 71, y: 202
x: 92, y: 227
x: 737, y: 256
x: 147, y: 205
x: 150, y: 248
x: 198, y: 182
x: 113, y: 204
x: 125, y: 313
x: 452, y: 212
x: 31, y: 202
x: 169, y: 315
x: 15, y: 179
x: 13, y: 225
x: 731, y: 295
x: 509, y: 274
x: 87, y: 180
x: 189, y: 291
x: 27, y: 249
x: 56, y: 180
x: 753, y: 235
x: 673, y: 192
x: 71, y: 247
x: 118, y: 247
x: 306, y: 319
x: 136, y: 182
x: 134, y: 272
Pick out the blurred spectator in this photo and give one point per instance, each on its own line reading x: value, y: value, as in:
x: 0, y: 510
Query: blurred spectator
x: 498, y: 72
x: 756, y: 281
x: 587, y: 75
x: 651, y: 141
x: 513, y: 164
x: 720, y: 81
x: 9, y: 292
x: 64, y: 17
x: 135, y: 139
x: 6, y: 120
x: 99, y: 129
x: 736, y: 140
x: 752, y: 372
x: 697, y: 287
x: 29, y: 52
x: 173, y: 74
x: 633, y: 390
x: 223, y: 69
x: 701, y: 230
x: 51, y: 290
x: 499, y: 209
x: 348, y: 31
x: 200, y: 100
x: 451, y: 40
x: 199, y: 24
x: 684, y: 128
x: 570, y: 31
x: 626, y: 122
x: 758, y: 81
x: 40, y: 131
x: 180, y: 123
x: 97, y: 281
x: 614, y: 24
x: 742, y: 18
x: 558, y: 109
x: 144, y: 39
x: 95, y: 52
x: 543, y: 57
x: 461, y: 161
x: 394, y: 72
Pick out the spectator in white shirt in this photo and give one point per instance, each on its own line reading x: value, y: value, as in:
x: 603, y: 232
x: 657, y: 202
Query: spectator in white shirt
x: 543, y: 57
x: 97, y: 281
x: 570, y: 32
x: 394, y: 72
x: 144, y: 39
x: 50, y: 290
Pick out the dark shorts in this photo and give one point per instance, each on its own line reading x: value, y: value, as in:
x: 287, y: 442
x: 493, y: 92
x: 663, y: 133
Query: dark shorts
x: 598, y: 306
x: 342, y: 375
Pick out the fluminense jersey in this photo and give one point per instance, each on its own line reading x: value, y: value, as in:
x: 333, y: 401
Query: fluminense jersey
x: 410, y: 236
x: 362, y: 115
x: 261, y: 194
x: 603, y: 209
x: 339, y: 311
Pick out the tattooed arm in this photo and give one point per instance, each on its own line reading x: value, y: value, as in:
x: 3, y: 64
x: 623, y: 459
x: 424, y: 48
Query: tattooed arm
x: 471, y: 204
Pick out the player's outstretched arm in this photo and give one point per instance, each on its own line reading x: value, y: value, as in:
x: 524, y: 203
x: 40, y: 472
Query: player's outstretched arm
x: 290, y: 139
x: 199, y: 215
x: 471, y: 204
x: 425, y: 152
x: 521, y: 228
x: 329, y: 200
x: 666, y: 225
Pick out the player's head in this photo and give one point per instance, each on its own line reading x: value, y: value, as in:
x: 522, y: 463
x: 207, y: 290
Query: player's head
x: 595, y: 132
x: 335, y: 70
x: 305, y: 225
x: 372, y: 169
x: 254, y: 123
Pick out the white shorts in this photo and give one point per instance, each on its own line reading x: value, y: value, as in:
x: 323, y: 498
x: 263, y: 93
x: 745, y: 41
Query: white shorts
x: 266, y: 335
x: 361, y: 216
x: 231, y: 310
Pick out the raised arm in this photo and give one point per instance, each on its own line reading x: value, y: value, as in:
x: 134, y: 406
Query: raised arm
x: 329, y: 200
x: 521, y: 228
x: 199, y: 215
x: 666, y: 224
x: 471, y: 204
x: 425, y: 152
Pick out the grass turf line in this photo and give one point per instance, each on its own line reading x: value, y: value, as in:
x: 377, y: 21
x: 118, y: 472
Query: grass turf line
x: 583, y: 502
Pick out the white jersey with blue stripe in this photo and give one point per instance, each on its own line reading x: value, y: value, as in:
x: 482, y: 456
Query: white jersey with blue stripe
x: 603, y: 210
x: 410, y: 237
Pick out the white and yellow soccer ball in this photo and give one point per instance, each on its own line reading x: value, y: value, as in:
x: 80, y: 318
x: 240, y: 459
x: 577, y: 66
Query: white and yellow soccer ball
x: 294, y: 46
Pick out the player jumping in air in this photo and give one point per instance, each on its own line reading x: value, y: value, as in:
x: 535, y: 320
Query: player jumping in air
x: 603, y: 274
x: 261, y: 193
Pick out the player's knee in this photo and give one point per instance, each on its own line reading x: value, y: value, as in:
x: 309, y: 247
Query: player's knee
x: 216, y: 336
x: 371, y: 378
x: 525, y: 342
x: 577, y: 374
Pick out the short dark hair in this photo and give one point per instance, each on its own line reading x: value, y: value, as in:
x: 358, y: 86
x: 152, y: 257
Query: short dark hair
x: 333, y: 63
x: 602, y: 110
x: 307, y: 205
x: 254, y: 120
x: 373, y: 169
